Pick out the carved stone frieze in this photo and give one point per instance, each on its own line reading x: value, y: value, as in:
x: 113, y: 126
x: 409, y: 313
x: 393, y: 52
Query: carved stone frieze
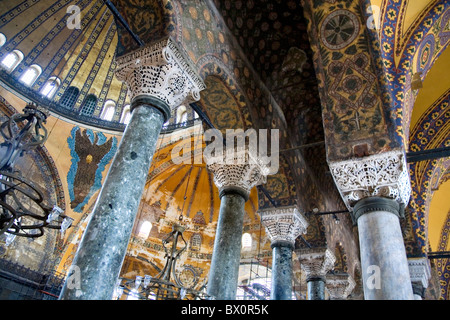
x: 160, y: 70
x: 240, y: 172
x: 339, y: 285
x: 382, y: 175
x: 316, y: 262
x: 283, y: 223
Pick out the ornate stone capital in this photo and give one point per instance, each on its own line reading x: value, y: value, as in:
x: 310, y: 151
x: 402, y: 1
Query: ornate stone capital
x: 339, y: 285
x: 160, y: 71
x: 316, y: 262
x: 420, y: 273
x: 239, y: 172
x: 382, y: 175
x: 283, y: 224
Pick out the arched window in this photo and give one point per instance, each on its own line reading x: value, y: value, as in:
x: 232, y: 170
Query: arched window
x: 69, y: 97
x: 12, y: 60
x: 246, y: 241
x: 144, y: 230
x: 50, y: 87
x: 126, y: 115
x: 181, y: 114
x: 108, y: 110
x: 2, y: 39
x: 89, y: 105
x: 30, y: 75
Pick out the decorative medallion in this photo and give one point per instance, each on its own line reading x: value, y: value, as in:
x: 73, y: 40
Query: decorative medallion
x: 339, y: 29
x: 426, y: 53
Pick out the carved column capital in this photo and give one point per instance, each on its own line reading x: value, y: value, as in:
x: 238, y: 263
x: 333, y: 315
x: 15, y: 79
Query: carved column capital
x: 420, y: 273
x: 160, y: 74
x: 316, y: 262
x: 283, y: 224
x: 381, y: 175
x: 239, y: 172
x: 339, y: 285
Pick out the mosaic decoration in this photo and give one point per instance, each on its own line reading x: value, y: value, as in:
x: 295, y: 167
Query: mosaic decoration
x: 354, y: 106
x: 443, y: 264
x: 429, y: 133
x: 415, y: 50
x: 90, y: 152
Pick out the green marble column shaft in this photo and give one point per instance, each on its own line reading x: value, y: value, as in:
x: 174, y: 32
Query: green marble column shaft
x: 99, y: 258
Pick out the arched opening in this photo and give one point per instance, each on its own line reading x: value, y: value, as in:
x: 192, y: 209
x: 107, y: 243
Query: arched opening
x: 144, y: 230
x: 2, y: 39
x: 246, y: 241
x: 12, y: 60
x: 126, y: 115
x: 69, y: 97
x: 108, y: 110
x: 50, y: 87
x: 31, y: 74
x: 89, y: 104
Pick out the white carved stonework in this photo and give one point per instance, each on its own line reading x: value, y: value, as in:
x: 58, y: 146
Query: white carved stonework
x: 339, y: 285
x: 382, y: 175
x: 419, y: 271
x: 316, y: 262
x: 283, y: 224
x: 241, y: 171
x: 162, y: 71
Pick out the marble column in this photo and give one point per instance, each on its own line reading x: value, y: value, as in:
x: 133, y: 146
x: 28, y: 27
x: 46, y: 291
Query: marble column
x: 159, y: 79
x: 339, y: 285
x: 283, y: 225
x: 315, y: 263
x: 234, y: 181
x: 376, y: 189
x: 420, y: 272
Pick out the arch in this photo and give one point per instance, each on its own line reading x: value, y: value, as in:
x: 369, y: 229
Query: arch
x: 2, y: 39
x: 12, y: 60
x: 181, y: 115
x: 126, y: 114
x: 196, y: 242
x: 144, y: 230
x: 50, y: 87
x: 31, y: 74
x: 69, y: 97
x: 108, y: 110
x: 247, y: 241
x: 88, y: 105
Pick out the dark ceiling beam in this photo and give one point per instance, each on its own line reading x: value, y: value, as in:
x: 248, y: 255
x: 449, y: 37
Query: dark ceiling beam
x: 123, y: 22
x: 427, y: 154
x: 438, y: 254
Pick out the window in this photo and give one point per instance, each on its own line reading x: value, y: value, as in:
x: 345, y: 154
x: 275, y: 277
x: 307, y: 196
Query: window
x: 144, y: 230
x: 12, y: 60
x: 69, y: 97
x: 89, y: 105
x: 108, y: 110
x: 2, y: 39
x: 181, y: 114
x: 31, y: 74
x: 126, y: 114
x: 50, y: 87
x: 196, y: 242
x: 246, y: 241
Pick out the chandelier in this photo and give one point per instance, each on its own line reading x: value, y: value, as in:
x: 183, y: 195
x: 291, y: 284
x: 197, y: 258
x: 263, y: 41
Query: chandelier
x: 161, y: 287
x: 23, y: 209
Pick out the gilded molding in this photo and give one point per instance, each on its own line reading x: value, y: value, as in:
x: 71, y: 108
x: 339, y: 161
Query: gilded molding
x: 283, y: 223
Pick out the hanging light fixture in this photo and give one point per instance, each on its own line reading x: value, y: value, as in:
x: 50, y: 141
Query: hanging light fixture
x: 23, y: 209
